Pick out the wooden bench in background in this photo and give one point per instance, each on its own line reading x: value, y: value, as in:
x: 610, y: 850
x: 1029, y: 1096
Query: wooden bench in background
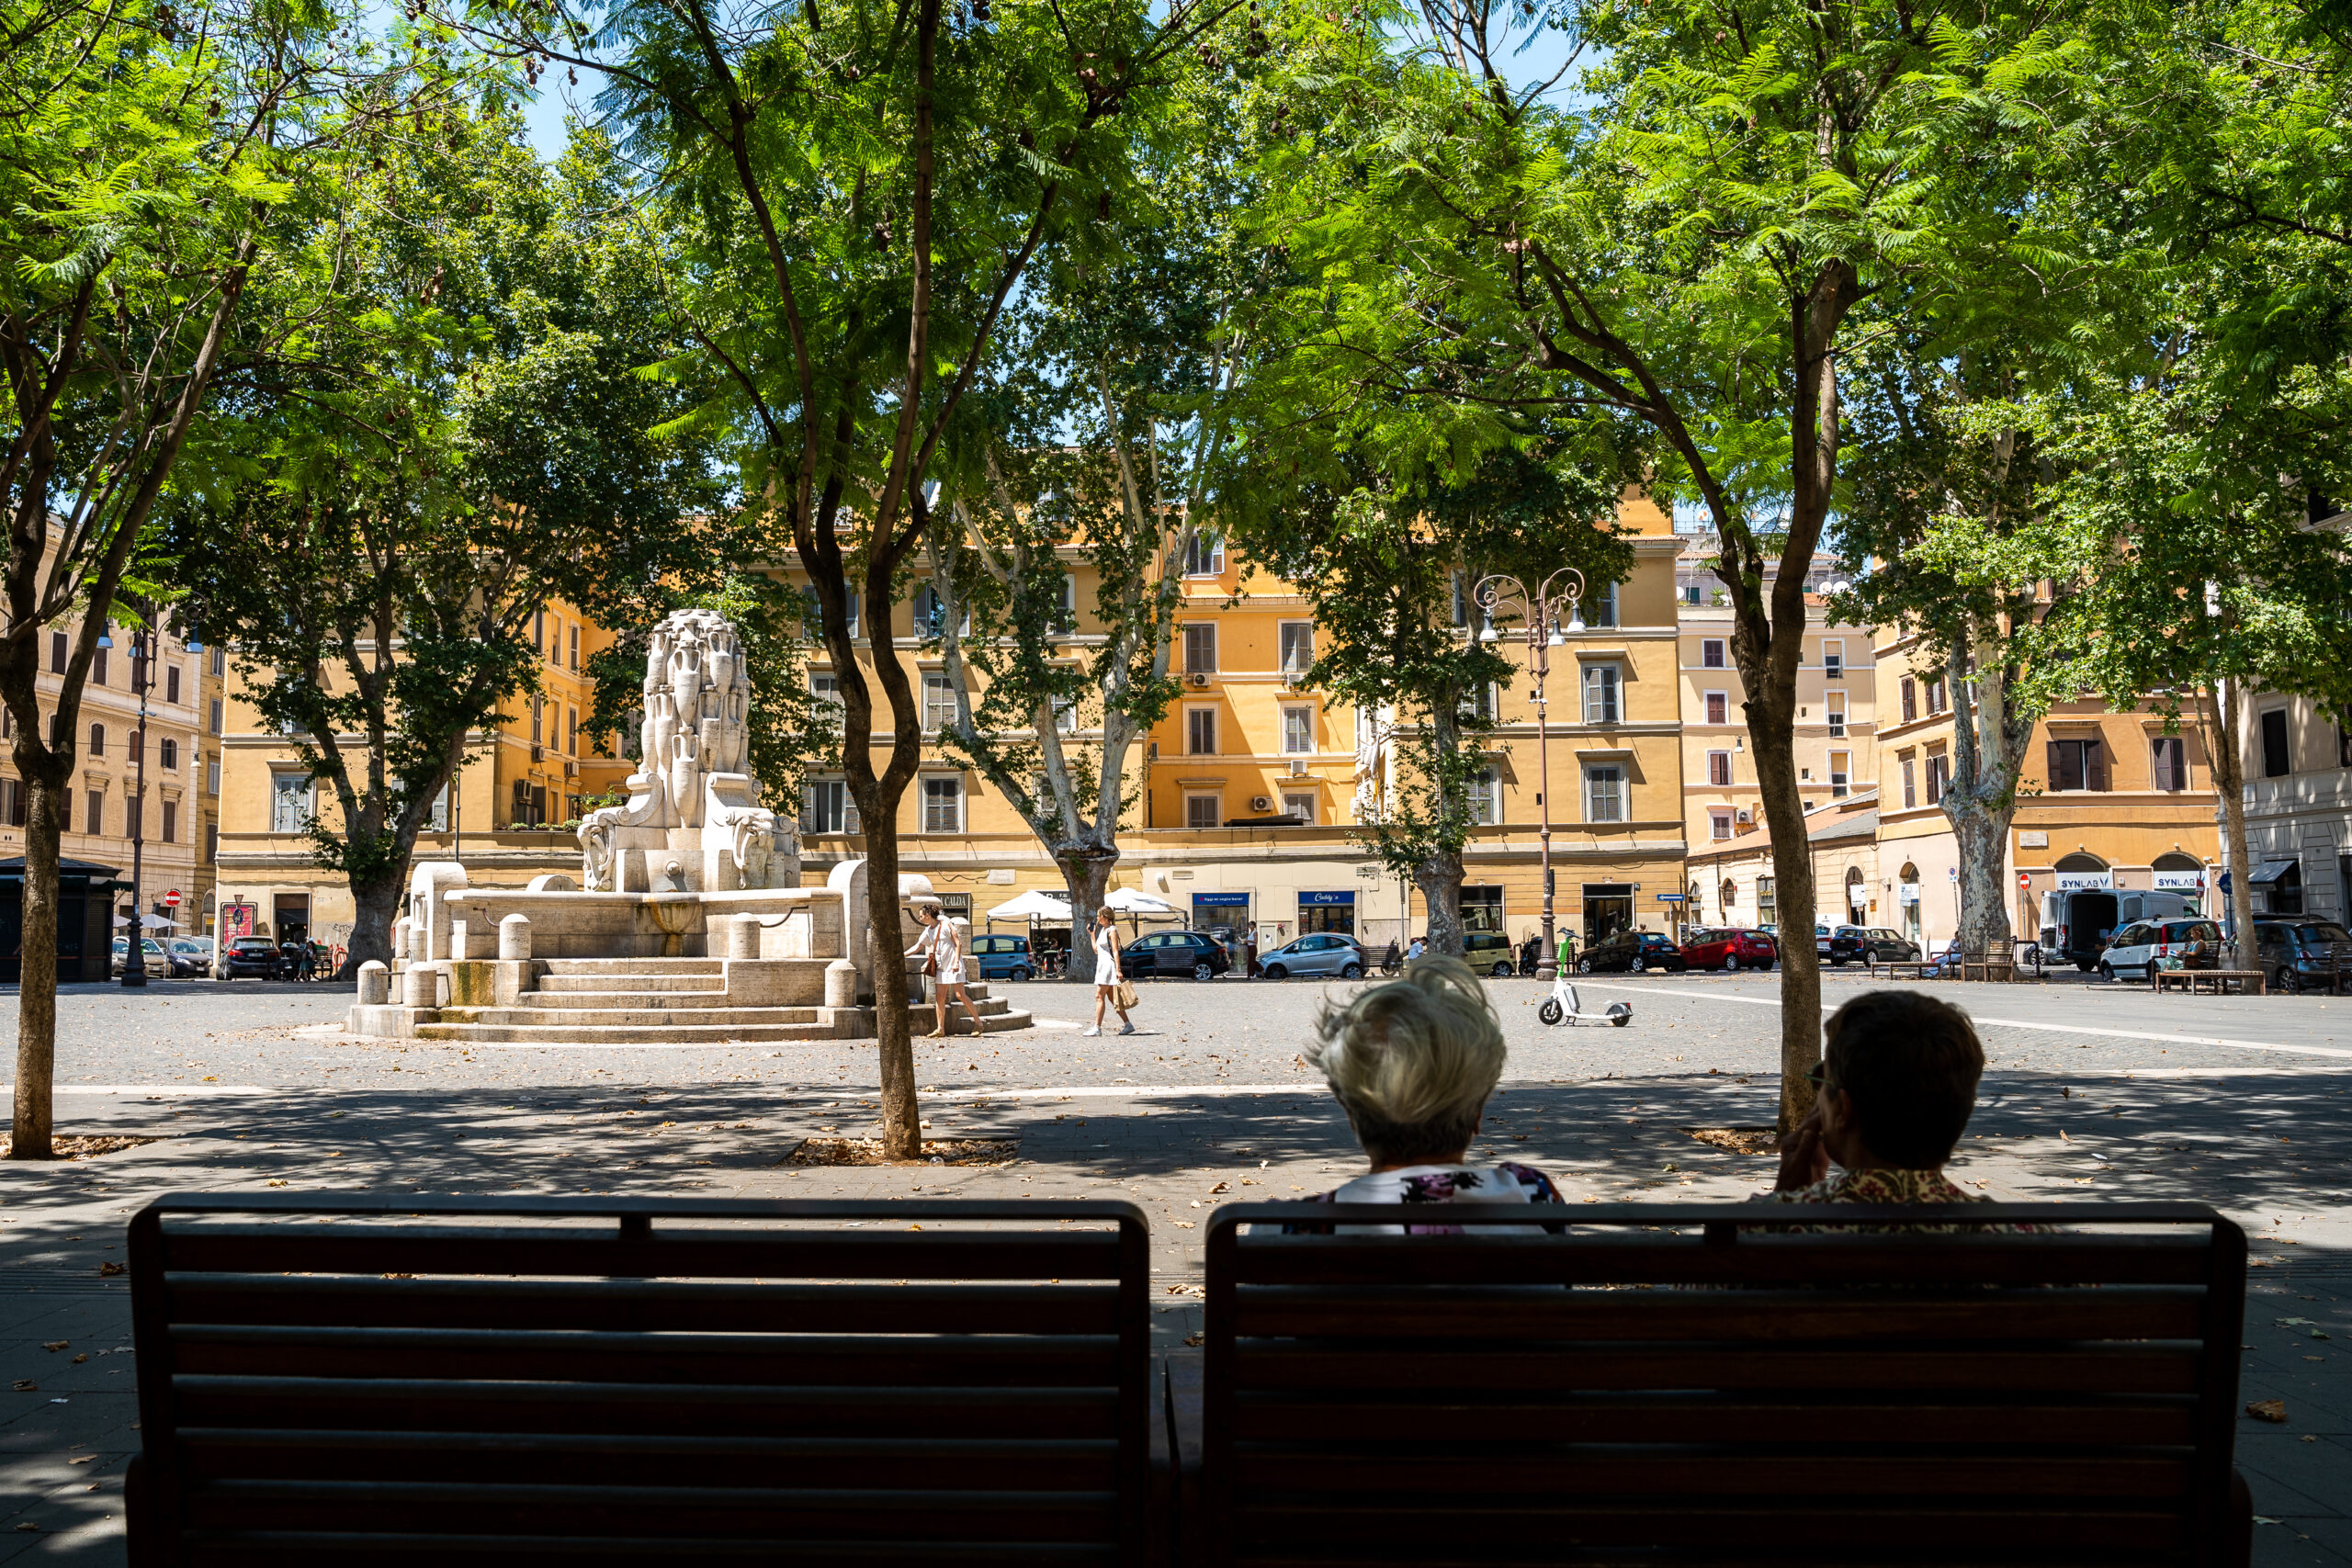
x: 1661, y: 1385
x: 348, y: 1380
x: 2245, y: 982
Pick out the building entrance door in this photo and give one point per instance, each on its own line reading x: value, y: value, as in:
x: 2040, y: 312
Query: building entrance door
x: 291, y: 917
x: 1608, y: 909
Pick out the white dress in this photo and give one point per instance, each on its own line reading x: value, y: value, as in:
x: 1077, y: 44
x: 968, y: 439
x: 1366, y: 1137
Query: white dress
x: 948, y: 954
x: 1106, y: 956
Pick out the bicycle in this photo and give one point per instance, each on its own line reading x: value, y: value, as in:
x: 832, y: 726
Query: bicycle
x: 2029, y: 957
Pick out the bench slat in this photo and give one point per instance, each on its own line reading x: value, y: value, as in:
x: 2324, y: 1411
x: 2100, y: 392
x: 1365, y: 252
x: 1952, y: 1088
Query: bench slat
x: 218, y: 1247
x: 396, y: 1548
x: 1669, y: 1417
x: 2099, y: 1369
x: 1372, y: 1528
x: 616, y: 1304
x: 960, y: 1359
x: 1456, y: 1472
x: 1460, y: 1315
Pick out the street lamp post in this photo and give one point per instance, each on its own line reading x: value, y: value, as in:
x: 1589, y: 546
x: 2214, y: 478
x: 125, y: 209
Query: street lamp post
x: 142, y: 681
x: 1545, y: 631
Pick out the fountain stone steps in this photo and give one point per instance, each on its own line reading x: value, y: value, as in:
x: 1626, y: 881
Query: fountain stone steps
x: 629, y: 1018
x: 588, y: 1034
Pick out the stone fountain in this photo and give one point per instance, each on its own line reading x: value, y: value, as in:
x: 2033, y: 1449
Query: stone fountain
x: 689, y: 920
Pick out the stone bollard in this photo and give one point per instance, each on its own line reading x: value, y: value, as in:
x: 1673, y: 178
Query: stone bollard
x: 514, y: 938
x: 840, y: 984
x: 421, y: 988
x: 374, y: 985
x: 743, y: 937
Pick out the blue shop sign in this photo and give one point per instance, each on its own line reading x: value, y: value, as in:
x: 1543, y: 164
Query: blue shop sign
x: 1312, y: 901
x: 1221, y: 901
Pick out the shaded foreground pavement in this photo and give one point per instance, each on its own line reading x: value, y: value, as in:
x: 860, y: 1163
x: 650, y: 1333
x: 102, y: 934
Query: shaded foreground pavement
x: 2267, y: 1144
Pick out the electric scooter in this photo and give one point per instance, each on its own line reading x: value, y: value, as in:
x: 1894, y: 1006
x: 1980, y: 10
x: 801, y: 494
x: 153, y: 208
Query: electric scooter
x: 1563, y: 1004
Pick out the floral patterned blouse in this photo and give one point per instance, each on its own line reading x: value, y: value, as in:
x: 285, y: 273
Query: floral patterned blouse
x: 1420, y: 1184
x: 1883, y: 1187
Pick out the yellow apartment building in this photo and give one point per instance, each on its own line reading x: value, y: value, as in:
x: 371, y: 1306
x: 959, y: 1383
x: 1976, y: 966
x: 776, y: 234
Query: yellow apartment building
x: 1836, y: 725
x: 118, y: 750
x: 502, y: 819
x: 1247, y: 794
x: 2107, y: 799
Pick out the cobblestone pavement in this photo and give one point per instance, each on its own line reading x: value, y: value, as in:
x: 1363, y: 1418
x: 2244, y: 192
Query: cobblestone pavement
x: 2095, y: 1092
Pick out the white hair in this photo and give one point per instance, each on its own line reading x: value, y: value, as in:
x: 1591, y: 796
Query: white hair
x: 1413, y: 1061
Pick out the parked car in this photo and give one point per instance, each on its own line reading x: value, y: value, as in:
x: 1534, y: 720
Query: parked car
x: 156, y: 961
x: 2294, y: 954
x: 1632, y: 952
x: 1490, y: 952
x: 255, y: 955
x: 1002, y: 957
x: 1316, y: 953
x: 1886, y: 946
x: 1840, y: 947
x: 190, y: 956
x: 1731, y: 949
x: 2143, y: 947
x: 1175, y: 953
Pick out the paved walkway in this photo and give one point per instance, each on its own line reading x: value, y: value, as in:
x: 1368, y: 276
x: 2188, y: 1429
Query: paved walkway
x: 2262, y: 1133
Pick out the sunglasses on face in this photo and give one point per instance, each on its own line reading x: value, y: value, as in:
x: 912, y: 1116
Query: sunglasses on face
x: 1817, y: 1075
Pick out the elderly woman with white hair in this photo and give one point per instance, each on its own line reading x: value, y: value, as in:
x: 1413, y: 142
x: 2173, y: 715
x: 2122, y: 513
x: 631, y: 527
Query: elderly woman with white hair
x: 1412, y: 1062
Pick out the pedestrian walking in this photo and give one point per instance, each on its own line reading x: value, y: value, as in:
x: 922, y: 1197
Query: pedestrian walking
x: 944, y: 962
x: 1111, y: 988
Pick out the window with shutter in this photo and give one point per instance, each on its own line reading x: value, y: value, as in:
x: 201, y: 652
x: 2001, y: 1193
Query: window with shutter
x: 1910, y: 700
x: 2169, y: 764
x: 1298, y: 646
x: 1718, y: 708
x: 1200, y: 731
x: 57, y: 653
x: 1601, y: 694
x: 1711, y: 653
x: 938, y: 701
x: 1939, y: 773
x: 1719, y: 769
x: 172, y: 684
x: 1200, y: 648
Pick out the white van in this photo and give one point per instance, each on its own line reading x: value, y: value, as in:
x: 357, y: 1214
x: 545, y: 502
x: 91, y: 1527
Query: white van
x: 2077, y: 924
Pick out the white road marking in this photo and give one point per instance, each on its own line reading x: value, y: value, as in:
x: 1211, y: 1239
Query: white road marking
x: 2016, y: 1024
x: 158, y: 1089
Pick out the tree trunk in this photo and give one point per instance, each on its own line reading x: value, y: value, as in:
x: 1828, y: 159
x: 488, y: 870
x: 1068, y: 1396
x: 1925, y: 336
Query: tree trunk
x: 374, y: 907
x: 893, y: 1036
x: 33, y: 1121
x: 1439, y: 877
x: 1776, y: 778
x: 1086, y: 872
x: 2229, y: 780
x: 1983, y: 839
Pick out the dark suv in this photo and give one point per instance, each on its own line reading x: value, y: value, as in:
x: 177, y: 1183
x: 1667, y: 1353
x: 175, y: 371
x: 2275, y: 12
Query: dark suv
x: 1175, y: 953
x: 1840, y: 947
x: 251, y: 955
x: 2297, y: 955
x: 1632, y: 952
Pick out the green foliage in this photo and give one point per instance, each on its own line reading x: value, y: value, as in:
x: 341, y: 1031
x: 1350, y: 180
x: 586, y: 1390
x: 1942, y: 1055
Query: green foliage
x: 458, y: 436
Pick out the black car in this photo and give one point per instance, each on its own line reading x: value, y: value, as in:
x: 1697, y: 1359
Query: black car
x: 255, y: 955
x: 1843, y: 946
x: 1884, y: 945
x: 1632, y: 952
x: 1195, y: 953
x: 2298, y: 955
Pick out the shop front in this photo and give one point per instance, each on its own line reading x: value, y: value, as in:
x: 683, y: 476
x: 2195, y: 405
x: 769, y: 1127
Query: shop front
x: 1224, y: 916
x: 1608, y: 909
x: 1332, y: 910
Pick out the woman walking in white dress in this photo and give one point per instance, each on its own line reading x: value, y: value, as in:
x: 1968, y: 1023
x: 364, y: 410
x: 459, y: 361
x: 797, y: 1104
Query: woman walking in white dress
x: 940, y: 945
x: 1106, y: 971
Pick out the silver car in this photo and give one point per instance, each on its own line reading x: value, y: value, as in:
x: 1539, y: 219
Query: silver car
x: 1319, y: 952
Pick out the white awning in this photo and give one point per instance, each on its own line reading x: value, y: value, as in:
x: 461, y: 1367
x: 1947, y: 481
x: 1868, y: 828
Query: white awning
x: 1127, y: 901
x: 1034, y: 905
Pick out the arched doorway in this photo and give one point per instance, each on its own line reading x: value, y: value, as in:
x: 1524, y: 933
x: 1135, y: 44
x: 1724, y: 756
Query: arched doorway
x: 1858, y: 897
x: 1730, y: 896
x: 1906, y: 898
x: 2178, y: 872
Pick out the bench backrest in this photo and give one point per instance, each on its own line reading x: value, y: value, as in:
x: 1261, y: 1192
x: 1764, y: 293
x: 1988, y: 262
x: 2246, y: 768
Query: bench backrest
x: 339, y: 1379
x: 1663, y: 1385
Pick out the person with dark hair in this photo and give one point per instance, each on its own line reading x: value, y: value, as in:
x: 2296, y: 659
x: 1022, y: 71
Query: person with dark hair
x: 1895, y: 1090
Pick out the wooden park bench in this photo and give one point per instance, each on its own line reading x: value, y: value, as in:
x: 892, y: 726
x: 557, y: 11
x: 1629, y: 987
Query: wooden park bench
x: 2221, y: 982
x: 1660, y: 1386
x: 348, y: 1380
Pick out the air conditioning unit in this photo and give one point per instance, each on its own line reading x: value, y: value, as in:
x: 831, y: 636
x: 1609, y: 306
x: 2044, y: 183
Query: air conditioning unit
x: 572, y: 770
x: 1198, y: 678
x: 1298, y: 767
x: 1260, y: 803
x: 1743, y: 816
x: 538, y: 753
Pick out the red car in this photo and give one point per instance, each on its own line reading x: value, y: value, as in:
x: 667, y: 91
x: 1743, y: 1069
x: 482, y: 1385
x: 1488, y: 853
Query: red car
x: 1730, y: 951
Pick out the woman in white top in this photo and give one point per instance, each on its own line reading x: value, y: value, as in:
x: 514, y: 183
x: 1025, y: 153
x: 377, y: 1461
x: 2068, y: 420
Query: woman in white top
x: 939, y: 943
x: 1106, y: 971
